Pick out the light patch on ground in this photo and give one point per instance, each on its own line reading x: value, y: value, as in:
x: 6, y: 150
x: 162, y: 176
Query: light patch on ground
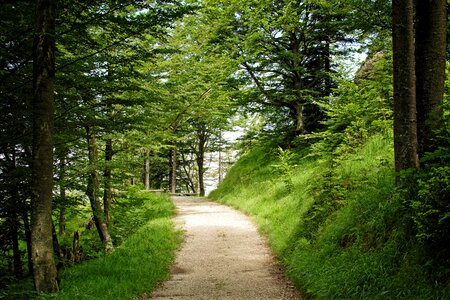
x: 223, y: 257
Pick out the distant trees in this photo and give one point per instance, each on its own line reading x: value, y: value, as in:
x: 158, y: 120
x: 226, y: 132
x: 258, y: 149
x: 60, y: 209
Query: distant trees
x: 16, y: 97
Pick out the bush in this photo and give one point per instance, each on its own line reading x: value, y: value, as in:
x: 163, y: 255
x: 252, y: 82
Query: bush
x: 430, y: 209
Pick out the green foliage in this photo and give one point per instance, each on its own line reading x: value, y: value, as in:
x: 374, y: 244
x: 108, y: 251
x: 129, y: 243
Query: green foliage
x: 342, y: 229
x: 285, y: 167
x: 357, y: 109
x: 134, y: 209
x: 146, y: 242
x: 138, y: 264
x: 430, y: 209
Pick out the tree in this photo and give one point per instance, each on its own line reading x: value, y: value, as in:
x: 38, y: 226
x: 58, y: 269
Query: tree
x: 419, y: 75
x: 285, y: 49
x: 100, y: 49
x: 92, y: 191
x: 199, y: 78
x: 405, y: 124
x: 16, y: 94
x: 44, y: 268
x: 430, y: 58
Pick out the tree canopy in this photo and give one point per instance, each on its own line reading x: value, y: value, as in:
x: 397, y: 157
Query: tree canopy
x: 99, y: 96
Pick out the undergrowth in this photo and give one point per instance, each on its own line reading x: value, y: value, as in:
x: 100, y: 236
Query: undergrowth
x: 132, y: 269
x: 337, y: 222
x: 145, y: 244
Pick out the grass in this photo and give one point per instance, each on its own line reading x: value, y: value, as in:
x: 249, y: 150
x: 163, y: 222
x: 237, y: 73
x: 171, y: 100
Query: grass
x: 131, y: 270
x: 338, y: 224
x: 142, y: 221
x: 145, y: 240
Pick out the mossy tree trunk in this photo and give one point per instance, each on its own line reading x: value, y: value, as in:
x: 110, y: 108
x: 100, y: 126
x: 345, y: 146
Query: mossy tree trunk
x: 44, y: 268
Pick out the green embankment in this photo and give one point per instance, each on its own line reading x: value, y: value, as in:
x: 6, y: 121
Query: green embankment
x: 138, y: 263
x: 337, y: 224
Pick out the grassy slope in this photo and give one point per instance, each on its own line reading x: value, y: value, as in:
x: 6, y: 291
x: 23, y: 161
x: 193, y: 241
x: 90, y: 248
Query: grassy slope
x: 138, y: 264
x: 336, y: 225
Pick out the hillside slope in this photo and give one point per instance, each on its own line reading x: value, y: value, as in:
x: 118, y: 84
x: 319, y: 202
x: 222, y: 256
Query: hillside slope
x: 338, y: 224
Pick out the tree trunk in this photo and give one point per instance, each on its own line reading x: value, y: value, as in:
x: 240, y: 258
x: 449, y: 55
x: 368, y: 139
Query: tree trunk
x: 431, y: 32
x: 173, y: 172
x: 44, y: 268
x: 14, y: 221
x: 220, y: 166
x: 62, y: 215
x: 56, y: 248
x: 190, y: 186
x: 146, y: 169
x: 17, y: 257
x: 107, y: 174
x: 92, y: 192
x: 26, y: 226
x: 299, y: 119
x: 62, y: 195
x: 76, y: 255
x: 202, y: 140
x: 405, y: 124
x: 328, y: 82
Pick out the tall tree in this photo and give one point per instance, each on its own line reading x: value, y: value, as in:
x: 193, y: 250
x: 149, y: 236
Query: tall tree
x: 285, y: 50
x: 431, y: 34
x: 405, y: 124
x: 44, y: 268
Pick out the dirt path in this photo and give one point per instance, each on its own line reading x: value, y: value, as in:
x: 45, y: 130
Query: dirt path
x: 223, y: 257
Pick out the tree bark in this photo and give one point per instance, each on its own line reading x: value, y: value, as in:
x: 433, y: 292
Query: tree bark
x: 76, y: 255
x: 26, y: 226
x: 146, y: 169
x: 44, y: 268
x: 92, y: 192
x: 202, y: 140
x: 62, y: 195
x: 431, y: 32
x: 17, y: 257
x: 190, y: 186
x: 14, y: 223
x: 173, y: 171
x: 405, y: 124
x: 107, y: 175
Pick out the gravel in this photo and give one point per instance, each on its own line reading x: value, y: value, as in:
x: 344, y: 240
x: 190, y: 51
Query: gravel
x: 223, y: 257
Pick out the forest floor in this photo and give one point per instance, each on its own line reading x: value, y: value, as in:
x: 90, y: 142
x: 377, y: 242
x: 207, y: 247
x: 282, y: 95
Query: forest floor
x: 223, y: 257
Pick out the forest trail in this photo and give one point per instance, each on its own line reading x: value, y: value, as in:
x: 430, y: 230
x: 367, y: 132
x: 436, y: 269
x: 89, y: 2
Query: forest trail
x: 223, y: 257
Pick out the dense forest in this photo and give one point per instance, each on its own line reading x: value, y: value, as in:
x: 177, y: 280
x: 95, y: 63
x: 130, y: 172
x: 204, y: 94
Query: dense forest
x: 343, y: 156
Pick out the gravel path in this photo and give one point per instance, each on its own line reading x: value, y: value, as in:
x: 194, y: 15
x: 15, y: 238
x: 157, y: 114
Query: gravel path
x: 223, y: 257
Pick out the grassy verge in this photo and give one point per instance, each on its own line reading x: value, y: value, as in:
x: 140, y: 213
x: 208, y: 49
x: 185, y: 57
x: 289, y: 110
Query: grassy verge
x: 145, y: 241
x: 338, y: 224
x: 133, y: 269
x: 138, y: 263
